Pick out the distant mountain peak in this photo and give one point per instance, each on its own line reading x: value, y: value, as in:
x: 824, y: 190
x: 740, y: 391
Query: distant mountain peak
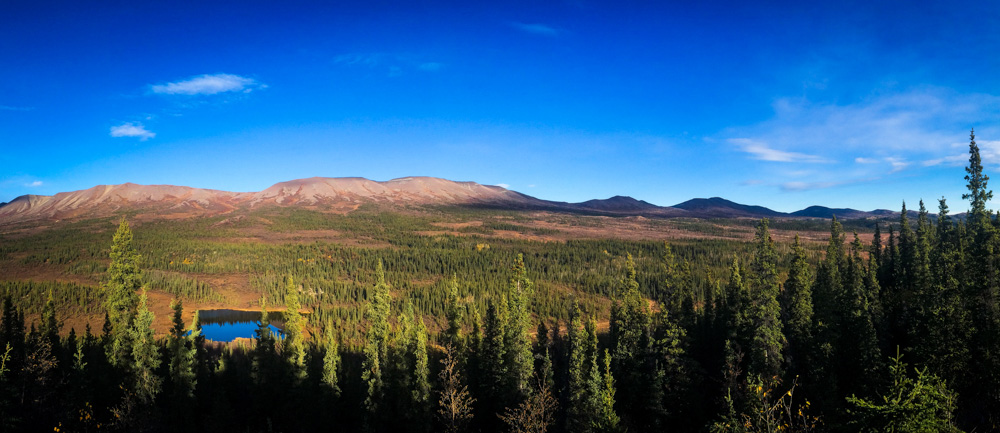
x: 718, y: 207
x: 618, y: 203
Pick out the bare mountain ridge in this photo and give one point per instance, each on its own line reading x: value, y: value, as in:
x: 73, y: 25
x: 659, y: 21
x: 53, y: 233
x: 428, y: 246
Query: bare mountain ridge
x: 104, y: 200
x: 347, y: 193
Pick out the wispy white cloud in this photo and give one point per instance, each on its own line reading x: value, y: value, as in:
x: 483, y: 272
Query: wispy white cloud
x: 132, y: 129
x: 394, y: 64
x: 536, y: 29
x: 950, y: 160
x: 806, y: 186
x: 503, y: 185
x: 920, y: 124
x: 34, y: 184
x: 897, y: 164
x: 867, y: 140
x: 794, y: 186
x: 209, y: 84
x: 989, y: 151
x: 761, y: 151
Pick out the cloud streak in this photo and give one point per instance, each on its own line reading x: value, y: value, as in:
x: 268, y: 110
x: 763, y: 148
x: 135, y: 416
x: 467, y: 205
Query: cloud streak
x: 868, y: 140
x: 536, y: 29
x: 394, y: 64
x: 208, y: 84
x: 921, y: 124
x: 761, y: 151
x: 131, y: 129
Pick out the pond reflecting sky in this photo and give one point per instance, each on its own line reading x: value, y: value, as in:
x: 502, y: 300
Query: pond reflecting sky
x: 228, y: 325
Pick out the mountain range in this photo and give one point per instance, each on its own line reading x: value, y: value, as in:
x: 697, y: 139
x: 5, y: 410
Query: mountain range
x: 347, y: 193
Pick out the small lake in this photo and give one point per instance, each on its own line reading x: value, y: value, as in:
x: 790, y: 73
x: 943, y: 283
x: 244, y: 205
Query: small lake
x: 228, y: 325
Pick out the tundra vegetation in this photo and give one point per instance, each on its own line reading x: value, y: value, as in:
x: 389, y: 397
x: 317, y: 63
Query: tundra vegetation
x: 415, y: 332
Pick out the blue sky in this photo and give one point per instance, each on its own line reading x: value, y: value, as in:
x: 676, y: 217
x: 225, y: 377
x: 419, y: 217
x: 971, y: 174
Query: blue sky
x: 786, y: 105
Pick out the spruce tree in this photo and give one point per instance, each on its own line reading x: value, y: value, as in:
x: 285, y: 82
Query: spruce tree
x: 978, y: 193
x: 858, y: 349
x: 607, y: 418
x: 767, y: 344
x: 123, y: 280
x: 493, y: 368
x: 517, y: 342
x: 376, y: 345
x: 294, y: 344
x: 941, y: 326
x: 182, y: 355
x: 920, y: 404
x: 453, y: 313
x: 331, y: 360
x: 797, y: 308
x: 982, y: 288
x: 828, y: 321
x: 264, y: 362
x: 631, y: 363
x: 50, y: 326
x: 543, y: 356
x: 145, y: 354
x: 421, y: 388
x: 578, y: 412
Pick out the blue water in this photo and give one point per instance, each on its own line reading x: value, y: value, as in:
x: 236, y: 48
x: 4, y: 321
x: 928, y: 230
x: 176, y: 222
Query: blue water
x: 228, y: 325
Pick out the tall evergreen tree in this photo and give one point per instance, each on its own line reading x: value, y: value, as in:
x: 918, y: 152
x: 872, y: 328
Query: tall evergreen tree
x: 421, y: 388
x: 376, y: 345
x: 829, y: 286
x: 50, y: 326
x: 123, y: 280
x: 264, y: 362
x: 941, y: 326
x: 543, y: 356
x: 982, y: 288
x: 668, y: 390
x: 979, y: 193
x: 182, y: 355
x: 876, y: 251
x: 579, y: 412
x: 453, y: 313
x: 294, y: 344
x: 331, y: 360
x: 797, y: 308
x: 631, y: 363
x: 145, y: 354
x: 858, y: 349
x: 493, y: 368
x: 518, y: 357
x: 767, y: 346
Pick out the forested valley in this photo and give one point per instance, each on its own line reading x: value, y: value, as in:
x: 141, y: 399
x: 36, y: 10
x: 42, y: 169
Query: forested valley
x: 424, y: 334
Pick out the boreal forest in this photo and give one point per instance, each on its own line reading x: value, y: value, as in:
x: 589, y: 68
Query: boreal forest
x: 884, y: 325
